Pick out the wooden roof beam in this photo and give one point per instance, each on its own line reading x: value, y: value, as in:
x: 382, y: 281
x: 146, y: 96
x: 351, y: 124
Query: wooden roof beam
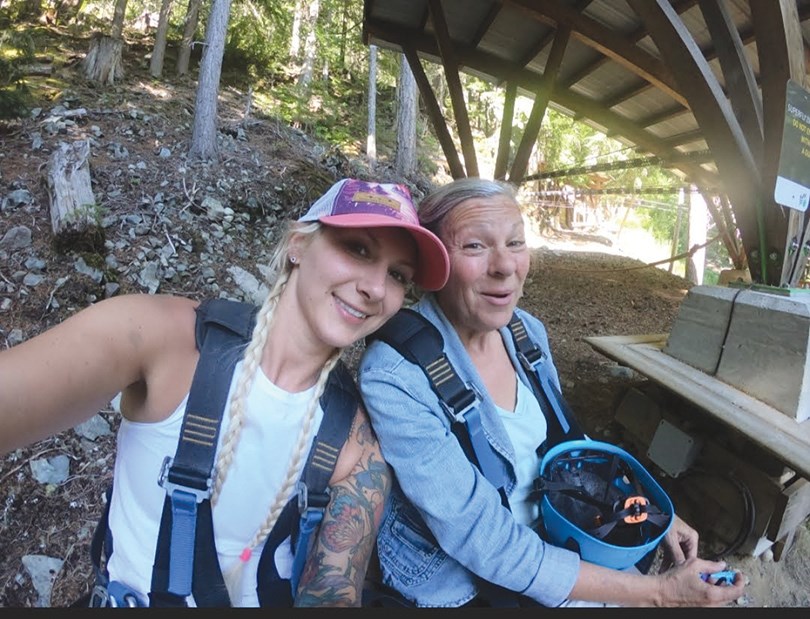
x: 451, y: 74
x: 687, y: 137
x: 740, y: 83
x: 434, y: 112
x: 525, y: 79
x: 604, y: 40
x: 680, y: 6
x: 548, y: 38
x: 662, y: 116
x: 725, y: 137
x: 633, y: 90
x: 541, y: 98
x: 486, y: 23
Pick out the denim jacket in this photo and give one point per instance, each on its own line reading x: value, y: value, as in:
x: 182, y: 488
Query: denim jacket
x: 444, y: 522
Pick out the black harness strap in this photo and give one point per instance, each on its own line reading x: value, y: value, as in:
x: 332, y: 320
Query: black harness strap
x: 421, y: 343
x: 223, y: 329
x: 340, y: 399
x: 561, y: 422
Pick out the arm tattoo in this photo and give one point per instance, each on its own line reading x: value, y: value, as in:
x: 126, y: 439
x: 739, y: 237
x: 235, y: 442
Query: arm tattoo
x: 335, y: 571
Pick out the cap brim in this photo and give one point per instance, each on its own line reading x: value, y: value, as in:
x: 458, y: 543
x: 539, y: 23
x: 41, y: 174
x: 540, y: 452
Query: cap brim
x: 433, y: 263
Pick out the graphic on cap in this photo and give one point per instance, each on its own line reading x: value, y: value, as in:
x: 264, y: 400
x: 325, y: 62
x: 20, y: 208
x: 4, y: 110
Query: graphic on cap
x: 354, y: 203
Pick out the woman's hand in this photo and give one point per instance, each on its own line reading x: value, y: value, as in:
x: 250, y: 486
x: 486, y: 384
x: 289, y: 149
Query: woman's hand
x: 680, y: 544
x: 683, y: 585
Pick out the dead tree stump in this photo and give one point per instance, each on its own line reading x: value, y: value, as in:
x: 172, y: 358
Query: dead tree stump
x: 103, y: 63
x: 75, y: 216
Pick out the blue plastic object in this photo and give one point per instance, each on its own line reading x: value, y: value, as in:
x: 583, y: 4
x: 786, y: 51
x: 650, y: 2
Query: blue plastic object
x: 561, y: 531
x: 726, y: 577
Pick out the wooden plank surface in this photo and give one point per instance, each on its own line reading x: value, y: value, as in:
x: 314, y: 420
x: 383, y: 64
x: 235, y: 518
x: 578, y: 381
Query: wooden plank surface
x: 765, y: 426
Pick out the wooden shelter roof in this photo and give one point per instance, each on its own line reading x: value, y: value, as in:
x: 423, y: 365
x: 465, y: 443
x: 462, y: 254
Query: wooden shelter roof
x: 700, y: 84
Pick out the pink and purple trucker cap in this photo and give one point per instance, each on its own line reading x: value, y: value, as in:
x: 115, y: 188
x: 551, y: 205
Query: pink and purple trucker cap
x: 352, y: 203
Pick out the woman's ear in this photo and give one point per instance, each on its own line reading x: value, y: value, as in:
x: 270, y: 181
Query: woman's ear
x: 296, y: 246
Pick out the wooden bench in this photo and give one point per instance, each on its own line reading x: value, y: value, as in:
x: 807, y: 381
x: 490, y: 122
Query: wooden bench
x: 740, y: 443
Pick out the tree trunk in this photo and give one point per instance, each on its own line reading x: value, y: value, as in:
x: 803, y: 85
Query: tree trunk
x: 118, y: 19
x: 295, y: 36
x: 405, y: 160
x: 103, y: 63
x: 344, y: 30
x: 698, y: 221
x: 159, y: 51
x: 189, y: 28
x: 310, y: 47
x: 204, y: 134
x: 371, y: 138
x: 66, y: 11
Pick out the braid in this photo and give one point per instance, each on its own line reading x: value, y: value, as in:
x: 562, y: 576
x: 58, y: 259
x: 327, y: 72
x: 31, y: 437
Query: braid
x: 233, y: 576
x: 296, y: 464
x: 250, y: 364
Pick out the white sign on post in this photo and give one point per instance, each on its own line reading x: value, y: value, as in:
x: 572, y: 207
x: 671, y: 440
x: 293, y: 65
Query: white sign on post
x: 792, y: 187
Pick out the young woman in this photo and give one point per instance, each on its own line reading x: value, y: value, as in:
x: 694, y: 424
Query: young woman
x: 341, y: 271
x: 447, y: 539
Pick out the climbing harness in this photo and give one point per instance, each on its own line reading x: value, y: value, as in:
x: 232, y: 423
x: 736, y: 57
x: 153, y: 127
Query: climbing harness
x: 421, y: 343
x: 186, y: 559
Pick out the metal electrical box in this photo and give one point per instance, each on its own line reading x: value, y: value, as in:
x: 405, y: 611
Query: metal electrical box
x: 672, y: 449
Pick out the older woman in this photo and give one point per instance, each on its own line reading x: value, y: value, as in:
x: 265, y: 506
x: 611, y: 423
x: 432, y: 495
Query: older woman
x: 448, y: 537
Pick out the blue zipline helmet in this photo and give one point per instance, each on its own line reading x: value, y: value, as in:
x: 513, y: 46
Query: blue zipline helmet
x: 598, y: 500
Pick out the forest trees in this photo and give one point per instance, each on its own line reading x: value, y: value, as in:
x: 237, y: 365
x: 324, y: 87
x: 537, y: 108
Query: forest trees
x: 159, y: 51
x: 189, y: 28
x: 407, y: 99
x: 204, y: 134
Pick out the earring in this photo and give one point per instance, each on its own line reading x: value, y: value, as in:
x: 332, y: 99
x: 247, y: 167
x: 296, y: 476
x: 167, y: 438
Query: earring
x: 293, y: 259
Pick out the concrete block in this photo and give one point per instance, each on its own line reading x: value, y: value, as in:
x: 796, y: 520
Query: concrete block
x: 697, y: 334
x: 766, y: 351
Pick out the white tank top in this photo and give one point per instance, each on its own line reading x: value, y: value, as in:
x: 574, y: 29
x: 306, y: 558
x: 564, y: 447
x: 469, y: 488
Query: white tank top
x: 271, y: 427
x: 527, y: 428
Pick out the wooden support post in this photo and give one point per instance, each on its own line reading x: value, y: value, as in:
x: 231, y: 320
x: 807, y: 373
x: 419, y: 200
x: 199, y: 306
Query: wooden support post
x: 541, y: 99
x: 451, y: 74
x: 434, y: 112
x: 505, y: 138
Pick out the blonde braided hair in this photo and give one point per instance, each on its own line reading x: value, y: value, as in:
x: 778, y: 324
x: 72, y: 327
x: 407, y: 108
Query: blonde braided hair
x: 250, y: 365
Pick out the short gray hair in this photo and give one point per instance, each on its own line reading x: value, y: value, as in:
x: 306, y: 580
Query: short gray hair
x: 438, y: 203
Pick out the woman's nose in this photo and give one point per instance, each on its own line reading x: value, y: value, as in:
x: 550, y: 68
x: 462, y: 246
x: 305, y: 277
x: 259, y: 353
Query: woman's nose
x: 372, y: 283
x: 501, y: 261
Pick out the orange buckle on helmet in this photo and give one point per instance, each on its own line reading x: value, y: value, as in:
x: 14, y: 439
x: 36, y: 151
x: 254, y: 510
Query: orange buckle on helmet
x: 638, y: 509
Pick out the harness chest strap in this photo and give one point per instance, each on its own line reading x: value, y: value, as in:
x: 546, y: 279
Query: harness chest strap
x: 185, y: 559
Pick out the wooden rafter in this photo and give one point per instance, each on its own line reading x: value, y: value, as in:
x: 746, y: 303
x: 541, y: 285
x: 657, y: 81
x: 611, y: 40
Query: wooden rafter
x: 527, y: 80
x: 434, y: 112
x: 739, y: 172
x: 451, y: 74
x: 740, y: 83
x: 662, y: 116
x: 541, y: 98
x: 680, y: 7
x: 605, y: 41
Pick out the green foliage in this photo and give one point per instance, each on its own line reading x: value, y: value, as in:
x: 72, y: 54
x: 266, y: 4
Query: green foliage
x: 16, y: 50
